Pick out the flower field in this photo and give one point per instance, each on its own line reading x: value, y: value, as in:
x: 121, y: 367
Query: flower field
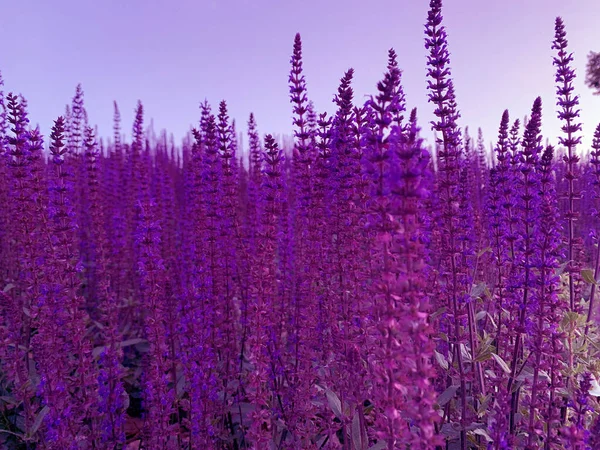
x: 352, y: 288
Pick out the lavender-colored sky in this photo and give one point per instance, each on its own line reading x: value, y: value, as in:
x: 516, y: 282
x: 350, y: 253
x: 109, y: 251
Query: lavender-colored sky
x: 172, y: 54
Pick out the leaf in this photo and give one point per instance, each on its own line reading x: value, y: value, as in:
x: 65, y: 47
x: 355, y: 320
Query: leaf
x: 484, y: 352
x: 134, y: 445
x: 484, y: 251
x: 241, y: 411
x: 348, y: 408
x: 143, y: 346
x: 490, y: 318
x: 322, y: 440
x: 561, y: 269
x: 34, y: 377
x: 180, y: 386
x: 125, y: 399
x: 451, y: 430
x: 441, y: 360
x: 357, y: 433
x: 501, y: 363
x: 527, y: 374
x: 38, y: 420
x: 484, y: 349
x: 588, y: 276
x: 570, y: 321
x: 127, y: 343
x: 478, y: 289
x: 439, y: 312
x: 595, y: 389
x: 134, y: 341
x: 9, y: 400
x: 334, y: 403
x: 379, y: 446
x: 474, y: 425
x: 481, y: 432
x: 465, y: 353
x: 447, y: 395
x: 484, y: 401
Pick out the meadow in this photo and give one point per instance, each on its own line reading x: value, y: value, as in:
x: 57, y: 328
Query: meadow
x: 352, y: 289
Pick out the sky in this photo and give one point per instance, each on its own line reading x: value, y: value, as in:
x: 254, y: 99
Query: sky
x: 173, y: 54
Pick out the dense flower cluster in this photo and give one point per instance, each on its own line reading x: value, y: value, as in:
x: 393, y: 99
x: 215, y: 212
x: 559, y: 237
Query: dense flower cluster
x: 349, y: 290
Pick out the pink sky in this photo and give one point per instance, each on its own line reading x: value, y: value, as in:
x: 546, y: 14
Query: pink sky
x: 173, y: 54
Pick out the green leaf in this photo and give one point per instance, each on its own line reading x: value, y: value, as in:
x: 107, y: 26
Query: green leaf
x: 466, y: 354
x: 379, y: 446
x: 481, y: 432
x: 484, y: 352
x: 180, y: 386
x: 9, y: 400
x: 321, y: 440
x: 484, y: 251
x: 127, y: 343
x: 501, y: 363
x: 143, y: 346
x: 561, y: 269
x: 439, y: 312
x: 130, y: 342
x: 357, y: 434
x: 490, y: 318
x: 478, y: 289
x: 447, y: 395
x: 484, y: 401
x: 334, y: 403
x: 451, y: 430
x: 588, y: 276
x: 570, y: 321
x: 485, y: 348
x: 441, y: 360
x: 38, y: 421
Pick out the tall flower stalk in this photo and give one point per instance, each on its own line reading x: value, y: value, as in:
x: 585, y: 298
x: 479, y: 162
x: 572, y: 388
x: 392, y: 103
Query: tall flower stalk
x: 529, y: 185
x: 545, y: 309
x: 568, y: 114
x: 453, y: 269
x: 595, y: 162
